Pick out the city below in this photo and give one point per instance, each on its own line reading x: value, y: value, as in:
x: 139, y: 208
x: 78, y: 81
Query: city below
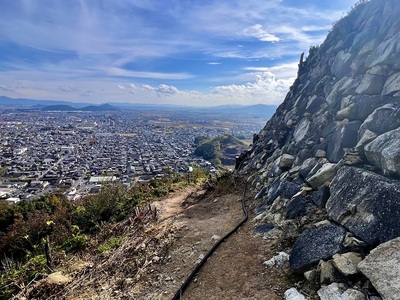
x: 75, y: 152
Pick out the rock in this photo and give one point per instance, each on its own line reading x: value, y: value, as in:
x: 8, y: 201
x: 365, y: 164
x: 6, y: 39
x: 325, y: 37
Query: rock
x: 384, y: 152
x: 261, y: 193
x: 297, y: 207
x: 320, y: 196
x: 331, y: 292
x: 307, y: 166
x: 264, y: 228
x: 310, y: 275
x: 347, y: 263
x: 316, y: 244
x: 284, y: 188
x: 366, y: 204
x: 392, y: 84
x: 382, y: 267
x: 367, y: 136
x: 324, y: 175
x: 371, y: 84
x: 286, y: 161
x: 385, y: 53
x: 58, y: 278
x: 382, y: 120
x: 326, y: 272
x: 294, y: 294
x: 341, y: 64
x: 277, y: 260
x: 352, y: 294
x: 301, y: 130
x: 345, y: 136
x: 320, y: 153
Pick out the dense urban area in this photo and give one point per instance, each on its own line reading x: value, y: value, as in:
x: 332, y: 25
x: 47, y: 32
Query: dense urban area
x: 76, y: 152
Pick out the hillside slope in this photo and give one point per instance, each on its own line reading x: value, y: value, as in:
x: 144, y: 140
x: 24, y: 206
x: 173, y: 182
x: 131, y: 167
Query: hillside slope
x: 326, y: 166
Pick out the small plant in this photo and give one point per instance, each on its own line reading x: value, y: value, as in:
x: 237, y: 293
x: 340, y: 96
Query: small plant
x: 112, y: 243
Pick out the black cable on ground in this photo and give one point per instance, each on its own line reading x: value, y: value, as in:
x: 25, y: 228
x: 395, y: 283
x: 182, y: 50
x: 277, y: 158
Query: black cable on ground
x: 183, y: 287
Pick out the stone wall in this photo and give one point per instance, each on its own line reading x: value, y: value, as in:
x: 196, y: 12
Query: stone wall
x: 329, y: 159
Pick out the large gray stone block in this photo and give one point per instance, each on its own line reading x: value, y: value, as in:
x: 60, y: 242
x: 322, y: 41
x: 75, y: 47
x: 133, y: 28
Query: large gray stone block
x: 384, y: 152
x: 382, y: 267
x: 316, y: 244
x: 366, y: 203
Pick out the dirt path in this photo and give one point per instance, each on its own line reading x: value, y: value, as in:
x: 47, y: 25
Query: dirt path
x: 234, y: 271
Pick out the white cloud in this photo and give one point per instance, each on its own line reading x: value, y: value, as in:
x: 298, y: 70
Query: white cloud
x: 214, y: 63
x: 258, y: 32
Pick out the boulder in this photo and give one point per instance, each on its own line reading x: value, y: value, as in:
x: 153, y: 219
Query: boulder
x: 297, y: 207
x: 284, y: 188
x: 326, y: 272
x: 331, y: 292
x: 324, y: 175
x: 382, y: 120
x: 366, y: 204
x: 385, y: 53
x: 307, y: 166
x: 371, y: 84
x: 392, y: 85
x: 320, y: 196
x: 347, y: 263
x: 382, y: 267
x: 345, y: 136
x: 384, y: 152
x: 341, y: 64
x: 286, y: 161
x: 316, y: 244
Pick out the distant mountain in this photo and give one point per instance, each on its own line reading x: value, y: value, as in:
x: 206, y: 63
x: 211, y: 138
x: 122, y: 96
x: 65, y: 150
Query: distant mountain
x: 58, y: 107
x: 103, y: 107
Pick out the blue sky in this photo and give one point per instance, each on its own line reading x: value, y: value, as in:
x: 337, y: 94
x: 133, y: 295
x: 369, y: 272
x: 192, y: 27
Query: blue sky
x: 190, y: 52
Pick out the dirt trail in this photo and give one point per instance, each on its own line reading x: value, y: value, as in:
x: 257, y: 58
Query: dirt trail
x: 234, y: 271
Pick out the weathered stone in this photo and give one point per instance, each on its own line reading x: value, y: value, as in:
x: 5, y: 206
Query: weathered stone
x: 261, y: 193
x: 385, y: 53
x: 297, y: 207
x: 392, y: 85
x: 320, y: 153
x: 316, y: 244
x: 263, y: 228
x: 324, y: 175
x: 286, y: 161
x: 382, y: 120
x: 301, y: 130
x: 358, y: 107
x: 366, y: 204
x: 307, y: 166
x: 352, y: 294
x: 382, y: 267
x: 310, y: 275
x: 320, y: 196
x: 331, y: 292
x: 345, y: 136
x: 384, y: 152
x: 347, y: 263
x: 367, y: 136
x: 371, y: 84
x: 326, y: 272
x: 284, y: 188
x: 294, y: 294
x: 57, y: 278
x: 341, y: 64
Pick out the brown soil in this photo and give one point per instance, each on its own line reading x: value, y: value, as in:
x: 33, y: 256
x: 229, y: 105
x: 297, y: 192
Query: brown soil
x: 189, y: 223
x: 234, y: 271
